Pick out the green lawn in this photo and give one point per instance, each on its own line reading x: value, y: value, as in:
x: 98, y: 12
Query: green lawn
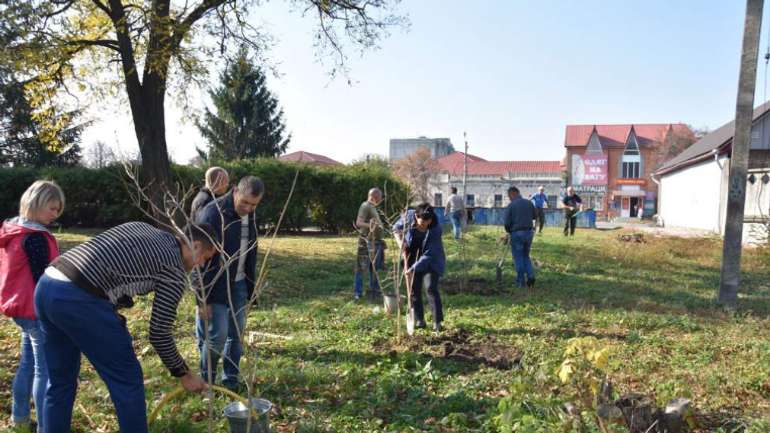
x: 340, y: 367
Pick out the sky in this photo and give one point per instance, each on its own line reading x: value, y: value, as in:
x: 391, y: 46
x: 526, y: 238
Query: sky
x: 509, y: 73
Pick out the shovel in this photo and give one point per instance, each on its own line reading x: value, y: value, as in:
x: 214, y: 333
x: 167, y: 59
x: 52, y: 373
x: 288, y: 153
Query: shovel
x: 410, y: 311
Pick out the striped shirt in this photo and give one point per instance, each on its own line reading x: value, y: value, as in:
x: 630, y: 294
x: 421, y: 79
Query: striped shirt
x: 134, y: 259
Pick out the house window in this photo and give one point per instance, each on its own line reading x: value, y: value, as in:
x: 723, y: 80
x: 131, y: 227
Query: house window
x: 470, y: 200
x: 498, y: 200
x: 438, y: 199
x: 632, y: 160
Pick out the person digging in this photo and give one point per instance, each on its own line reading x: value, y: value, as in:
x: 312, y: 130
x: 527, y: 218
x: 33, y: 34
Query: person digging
x: 418, y: 234
x: 77, y: 300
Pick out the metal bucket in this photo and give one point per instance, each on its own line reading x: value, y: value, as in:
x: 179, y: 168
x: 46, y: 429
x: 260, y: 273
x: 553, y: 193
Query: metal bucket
x: 391, y: 303
x: 237, y: 415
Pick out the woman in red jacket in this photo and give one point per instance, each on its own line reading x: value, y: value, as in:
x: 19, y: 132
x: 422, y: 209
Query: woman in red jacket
x: 26, y: 249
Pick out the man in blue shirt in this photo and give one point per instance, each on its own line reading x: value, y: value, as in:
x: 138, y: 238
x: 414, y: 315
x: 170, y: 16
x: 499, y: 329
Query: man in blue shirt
x: 518, y: 223
x: 540, y: 200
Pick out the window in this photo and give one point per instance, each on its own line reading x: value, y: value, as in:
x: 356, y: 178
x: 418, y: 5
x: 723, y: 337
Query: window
x: 630, y: 169
x: 632, y: 160
x: 470, y: 200
x: 498, y: 200
x: 438, y: 199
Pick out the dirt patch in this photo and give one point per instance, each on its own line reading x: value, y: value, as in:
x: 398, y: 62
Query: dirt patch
x: 459, y: 345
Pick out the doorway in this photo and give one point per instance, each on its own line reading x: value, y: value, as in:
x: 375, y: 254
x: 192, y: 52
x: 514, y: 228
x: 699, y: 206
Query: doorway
x: 635, y: 206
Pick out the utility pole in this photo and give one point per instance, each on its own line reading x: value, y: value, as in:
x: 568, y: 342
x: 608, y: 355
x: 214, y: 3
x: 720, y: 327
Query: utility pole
x: 739, y: 159
x: 465, y: 171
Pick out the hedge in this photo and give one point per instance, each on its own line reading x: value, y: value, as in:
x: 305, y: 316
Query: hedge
x: 327, y: 198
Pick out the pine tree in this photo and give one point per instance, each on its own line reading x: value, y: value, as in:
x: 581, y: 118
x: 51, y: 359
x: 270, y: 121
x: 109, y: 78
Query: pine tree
x: 248, y: 122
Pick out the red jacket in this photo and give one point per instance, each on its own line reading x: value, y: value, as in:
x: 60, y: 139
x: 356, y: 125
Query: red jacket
x: 17, y: 286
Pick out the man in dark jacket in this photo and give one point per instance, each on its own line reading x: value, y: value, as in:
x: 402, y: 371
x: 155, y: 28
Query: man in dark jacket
x: 418, y: 234
x: 217, y: 181
x: 229, y: 279
x: 518, y: 223
x: 572, y: 205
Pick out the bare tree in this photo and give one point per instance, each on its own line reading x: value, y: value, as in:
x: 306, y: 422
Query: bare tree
x: 100, y: 155
x: 416, y: 170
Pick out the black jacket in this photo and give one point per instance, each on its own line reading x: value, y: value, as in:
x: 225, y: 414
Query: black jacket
x: 204, y: 197
x: 231, y: 239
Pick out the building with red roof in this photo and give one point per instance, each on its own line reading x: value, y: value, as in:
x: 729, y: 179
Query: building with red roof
x: 488, y: 181
x: 308, y: 158
x: 610, y: 165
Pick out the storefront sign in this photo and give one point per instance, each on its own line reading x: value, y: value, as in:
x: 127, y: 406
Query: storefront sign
x: 590, y: 188
x: 640, y: 182
x: 589, y: 169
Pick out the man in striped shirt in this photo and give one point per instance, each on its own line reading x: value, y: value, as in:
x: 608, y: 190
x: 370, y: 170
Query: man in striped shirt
x: 77, y: 300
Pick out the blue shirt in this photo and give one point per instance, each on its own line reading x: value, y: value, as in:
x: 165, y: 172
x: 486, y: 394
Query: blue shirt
x: 539, y: 199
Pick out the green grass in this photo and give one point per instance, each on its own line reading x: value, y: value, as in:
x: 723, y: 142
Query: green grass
x: 342, y: 370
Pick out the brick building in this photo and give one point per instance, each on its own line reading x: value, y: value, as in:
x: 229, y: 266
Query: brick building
x: 609, y: 165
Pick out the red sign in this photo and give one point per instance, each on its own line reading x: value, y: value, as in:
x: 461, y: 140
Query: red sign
x: 640, y: 182
x: 589, y: 169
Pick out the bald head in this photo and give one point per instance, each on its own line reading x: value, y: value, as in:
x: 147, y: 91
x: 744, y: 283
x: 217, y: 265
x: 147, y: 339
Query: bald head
x: 375, y: 196
x: 217, y: 180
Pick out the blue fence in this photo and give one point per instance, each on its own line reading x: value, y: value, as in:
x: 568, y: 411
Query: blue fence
x: 494, y: 216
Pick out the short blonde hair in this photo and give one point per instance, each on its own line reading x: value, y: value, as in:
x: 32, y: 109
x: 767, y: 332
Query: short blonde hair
x: 214, y: 175
x: 38, y: 195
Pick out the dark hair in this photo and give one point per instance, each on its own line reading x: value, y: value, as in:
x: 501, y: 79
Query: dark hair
x: 252, y: 186
x: 513, y: 189
x: 203, y: 233
x: 425, y: 211
x: 453, y: 189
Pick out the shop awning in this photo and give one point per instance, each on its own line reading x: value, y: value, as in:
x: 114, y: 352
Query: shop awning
x: 633, y: 193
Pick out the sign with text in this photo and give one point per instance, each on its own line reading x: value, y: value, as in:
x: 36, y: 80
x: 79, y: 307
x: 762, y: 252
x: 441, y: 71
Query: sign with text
x: 589, y: 169
x: 640, y: 182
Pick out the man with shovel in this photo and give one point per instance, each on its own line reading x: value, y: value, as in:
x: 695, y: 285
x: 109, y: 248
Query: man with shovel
x: 518, y: 224
x: 418, y: 235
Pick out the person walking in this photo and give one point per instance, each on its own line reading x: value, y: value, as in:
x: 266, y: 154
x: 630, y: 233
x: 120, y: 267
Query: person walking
x: 518, y: 220
x: 572, y: 204
x: 455, y: 210
x: 418, y: 234
x: 216, y: 183
x: 26, y: 249
x: 77, y: 299
x: 540, y: 200
x: 228, y: 283
x: 370, y: 255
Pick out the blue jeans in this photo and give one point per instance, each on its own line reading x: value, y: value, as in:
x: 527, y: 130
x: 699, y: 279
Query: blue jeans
x: 224, y: 340
x: 457, y: 223
x: 74, y: 322
x: 377, y: 251
x: 521, y: 242
x: 31, y: 376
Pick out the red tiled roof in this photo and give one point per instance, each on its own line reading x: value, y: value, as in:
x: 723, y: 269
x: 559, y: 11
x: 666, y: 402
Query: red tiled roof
x: 453, y: 164
x: 310, y: 158
x: 616, y: 135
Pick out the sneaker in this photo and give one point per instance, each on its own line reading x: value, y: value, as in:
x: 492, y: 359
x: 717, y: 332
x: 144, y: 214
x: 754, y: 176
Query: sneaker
x: 420, y: 324
x: 356, y: 296
x: 437, y: 327
x: 531, y: 283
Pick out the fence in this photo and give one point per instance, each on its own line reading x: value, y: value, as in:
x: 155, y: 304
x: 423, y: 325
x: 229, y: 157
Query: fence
x: 494, y: 216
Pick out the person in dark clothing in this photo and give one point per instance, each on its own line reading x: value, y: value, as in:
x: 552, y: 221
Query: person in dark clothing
x: 518, y: 220
x: 77, y: 299
x: 26, y: 249
x: 572, y: 204
x: 418, y: 233
x: 227, y: 292
x: 217, y: 181
x: 540, y: 200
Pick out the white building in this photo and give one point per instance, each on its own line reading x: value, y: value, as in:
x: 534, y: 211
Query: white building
x: 694, y: 184
x: 403, y: 147
x: 488, y: 181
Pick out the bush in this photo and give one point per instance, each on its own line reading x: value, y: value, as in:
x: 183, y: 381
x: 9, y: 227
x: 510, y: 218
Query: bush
x: 324, y: 197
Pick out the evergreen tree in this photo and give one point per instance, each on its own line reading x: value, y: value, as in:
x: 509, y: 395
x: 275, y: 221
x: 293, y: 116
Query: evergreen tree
x: 248, y: 122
